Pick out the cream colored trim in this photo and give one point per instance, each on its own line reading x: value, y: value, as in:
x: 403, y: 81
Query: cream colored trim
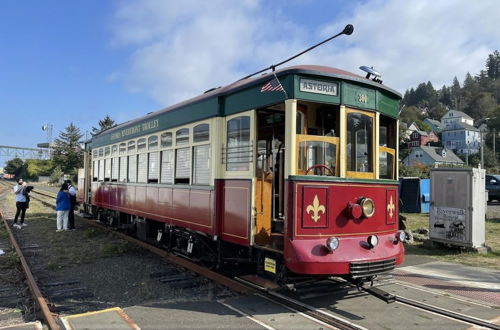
x: 217, y: 143
x: 396, y: 158
x: 290, y: 142
x: 376, y: 149
x: 343, y: 142
x: 253, y: 213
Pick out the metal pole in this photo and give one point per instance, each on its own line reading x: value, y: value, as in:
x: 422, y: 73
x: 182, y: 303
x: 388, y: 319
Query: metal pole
x: 467, y: 156
x: 494, y: 138
x: 482, y: 147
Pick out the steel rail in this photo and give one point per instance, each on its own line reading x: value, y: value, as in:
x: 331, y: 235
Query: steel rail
x: 448, y: 313
x: 388, y: 297
x: 48, y: 316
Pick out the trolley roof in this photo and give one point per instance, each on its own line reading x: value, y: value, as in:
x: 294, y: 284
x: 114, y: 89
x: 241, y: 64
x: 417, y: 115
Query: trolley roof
x: 246, y: 94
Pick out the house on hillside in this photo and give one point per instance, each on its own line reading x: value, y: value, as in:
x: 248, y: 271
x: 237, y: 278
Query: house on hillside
x: 408, y: 129
x: 434, y: 124
x: 461, y: 138
x: 430, y: 156
x: 455, y: 116
x: 421, y: 138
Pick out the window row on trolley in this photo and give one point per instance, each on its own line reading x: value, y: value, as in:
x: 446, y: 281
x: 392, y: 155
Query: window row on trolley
x: 180, y: 156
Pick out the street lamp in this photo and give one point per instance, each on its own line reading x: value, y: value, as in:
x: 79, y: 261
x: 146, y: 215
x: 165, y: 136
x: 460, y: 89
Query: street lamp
x: 48, y: 128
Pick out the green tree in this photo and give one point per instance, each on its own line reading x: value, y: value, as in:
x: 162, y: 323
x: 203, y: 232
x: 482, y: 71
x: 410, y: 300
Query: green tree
x: 456, y: 95
x: 410, y: 114
x: 15, y: 166
x: 493, y: 65
x: 482, y: 105
x: 56, y: 175
x: 104, y: 124
x: 38, y: 167
x: 437, y: 112
x: 67, y: 153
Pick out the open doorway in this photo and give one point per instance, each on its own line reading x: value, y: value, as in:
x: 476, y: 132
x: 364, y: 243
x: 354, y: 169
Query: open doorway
x: 270, y: 166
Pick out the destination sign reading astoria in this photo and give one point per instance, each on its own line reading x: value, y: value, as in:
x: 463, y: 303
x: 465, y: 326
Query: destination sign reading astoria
x: 318, y: 87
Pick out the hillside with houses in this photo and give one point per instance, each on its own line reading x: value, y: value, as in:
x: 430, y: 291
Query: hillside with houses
x: 457, y: 125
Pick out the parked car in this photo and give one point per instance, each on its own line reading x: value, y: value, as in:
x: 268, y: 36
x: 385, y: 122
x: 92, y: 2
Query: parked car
x: 493, y: 187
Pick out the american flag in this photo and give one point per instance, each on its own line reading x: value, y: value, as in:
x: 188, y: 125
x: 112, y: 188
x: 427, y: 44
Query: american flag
x: 272, y: 86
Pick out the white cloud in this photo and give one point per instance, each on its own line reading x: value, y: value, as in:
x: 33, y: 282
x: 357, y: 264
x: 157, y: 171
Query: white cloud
x: 419, y: 41
x: 180, y: 49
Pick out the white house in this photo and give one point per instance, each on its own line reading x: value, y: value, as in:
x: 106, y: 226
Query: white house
x: 455, y: 116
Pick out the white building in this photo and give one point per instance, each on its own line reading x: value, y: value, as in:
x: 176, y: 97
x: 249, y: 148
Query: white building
x: 455, y: 116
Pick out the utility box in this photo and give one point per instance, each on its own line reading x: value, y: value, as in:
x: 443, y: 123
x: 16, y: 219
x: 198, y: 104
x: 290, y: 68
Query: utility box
x: 414, y: 194
x: 458, y: 206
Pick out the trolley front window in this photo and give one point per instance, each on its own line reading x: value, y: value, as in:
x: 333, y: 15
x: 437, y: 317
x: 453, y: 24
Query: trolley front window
x: 317, y: 155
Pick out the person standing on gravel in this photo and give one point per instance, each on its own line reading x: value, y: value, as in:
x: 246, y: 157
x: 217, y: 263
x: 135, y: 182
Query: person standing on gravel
x: 21, y: 203
x: 71, y: 215
x: 63, y: 204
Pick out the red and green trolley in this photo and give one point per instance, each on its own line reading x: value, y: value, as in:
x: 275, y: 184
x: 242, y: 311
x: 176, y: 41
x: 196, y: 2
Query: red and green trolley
x: 293, y: 171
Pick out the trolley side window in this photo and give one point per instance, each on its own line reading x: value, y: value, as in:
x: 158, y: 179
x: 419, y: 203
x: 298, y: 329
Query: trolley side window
x: 101, y: 170
x: 153, y: 167
x: 95, y: 170
x: 387, y: 148
x: 122, y: 167
x: 142, y: 168
x: 201, y: 155
x: 238, y: 149
x: 122, y: 177
x: 182, y: 161
x: 107, y: 169
x: 132, y: 162
x: 360, y: 144
x: 166, y: 140
x: 167, y: 166
x: 153, y: 159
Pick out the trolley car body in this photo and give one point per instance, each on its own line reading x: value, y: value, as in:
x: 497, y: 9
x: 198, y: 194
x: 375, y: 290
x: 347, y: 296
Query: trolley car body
x: 295, y: 171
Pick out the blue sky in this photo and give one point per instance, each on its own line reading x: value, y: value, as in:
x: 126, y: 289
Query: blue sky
x: 77, y: 61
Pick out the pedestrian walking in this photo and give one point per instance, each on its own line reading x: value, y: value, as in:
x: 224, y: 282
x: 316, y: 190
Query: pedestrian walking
x: 71, y: 215
x: 21, y: 202
x: 63, y: 204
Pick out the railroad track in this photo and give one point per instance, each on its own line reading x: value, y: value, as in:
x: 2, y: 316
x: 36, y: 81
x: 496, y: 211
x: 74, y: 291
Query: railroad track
x: 321, y: 316
x: 49, y: 317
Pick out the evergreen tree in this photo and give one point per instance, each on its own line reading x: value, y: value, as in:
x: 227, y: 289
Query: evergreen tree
x: 493, y: 65
x: 104, y: 124
x: 456, y: 96
x: 482, y: 105
x: 67, y: 153
x: 445, y: 96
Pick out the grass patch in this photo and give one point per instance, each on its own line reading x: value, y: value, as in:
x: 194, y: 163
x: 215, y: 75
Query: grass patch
x: 11, y: 260
x: 416, y: 221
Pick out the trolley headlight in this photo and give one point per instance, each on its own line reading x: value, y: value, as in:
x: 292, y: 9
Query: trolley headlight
x: 372, y: 241
x: 401, y: 236
x: 332, y: 243
x: 368, y: 207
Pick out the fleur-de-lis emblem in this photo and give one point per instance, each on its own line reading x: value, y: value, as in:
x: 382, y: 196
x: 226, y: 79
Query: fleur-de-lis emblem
x: 391, y: 207
x: 315, y: 208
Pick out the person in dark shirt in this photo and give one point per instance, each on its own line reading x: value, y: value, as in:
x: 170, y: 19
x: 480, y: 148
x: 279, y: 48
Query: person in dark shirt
x: 21, y: 203
x: 63, y: 204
